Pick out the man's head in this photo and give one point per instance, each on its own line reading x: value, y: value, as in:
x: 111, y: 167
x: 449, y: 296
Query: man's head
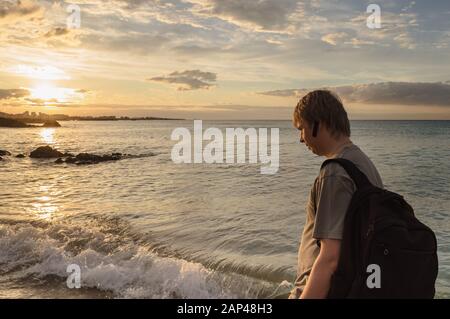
x: 322, y: 121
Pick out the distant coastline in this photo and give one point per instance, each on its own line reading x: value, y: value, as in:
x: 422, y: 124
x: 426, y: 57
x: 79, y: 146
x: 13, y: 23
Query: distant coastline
x: 41, y: 118
x: 33, y: 117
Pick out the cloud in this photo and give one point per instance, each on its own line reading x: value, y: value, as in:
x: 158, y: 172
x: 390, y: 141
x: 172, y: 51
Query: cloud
x: 197, y: 50
x: 38, y: 102
x: 409, y: 6
x: 189, y: 79
x: 6, y: 94
x: 333, y: 38
x: 263, y: 14
x: 403, y: 93
x: 58, y: 31
x: 396, y: 28
x: 137, y: 43
x: 17, y: 8
x: 42, y: 72
x: 284, y: 93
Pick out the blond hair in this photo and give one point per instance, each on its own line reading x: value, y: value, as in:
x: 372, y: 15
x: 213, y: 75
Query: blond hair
x: 323, y: 106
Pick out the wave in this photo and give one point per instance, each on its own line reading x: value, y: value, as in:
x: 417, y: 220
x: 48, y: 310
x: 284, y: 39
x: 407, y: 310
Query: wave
x: 113, y: 259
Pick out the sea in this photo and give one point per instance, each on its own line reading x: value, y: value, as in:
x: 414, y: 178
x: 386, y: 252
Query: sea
x: 147, y: 227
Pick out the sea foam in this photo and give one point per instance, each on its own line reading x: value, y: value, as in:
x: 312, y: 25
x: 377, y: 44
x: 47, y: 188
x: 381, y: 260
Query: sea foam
x: 120, y: 266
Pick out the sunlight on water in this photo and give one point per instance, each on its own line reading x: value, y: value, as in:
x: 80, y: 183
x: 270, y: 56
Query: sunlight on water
x: 45, y: 210
x: 47, y: 135
x: 44, y: 207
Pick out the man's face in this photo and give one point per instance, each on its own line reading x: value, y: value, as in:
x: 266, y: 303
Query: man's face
x: 305, y: 132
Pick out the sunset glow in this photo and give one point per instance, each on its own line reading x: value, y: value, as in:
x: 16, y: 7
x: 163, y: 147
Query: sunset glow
x: 46, y: 72
x: 50, y: 93
x: 223, y: 59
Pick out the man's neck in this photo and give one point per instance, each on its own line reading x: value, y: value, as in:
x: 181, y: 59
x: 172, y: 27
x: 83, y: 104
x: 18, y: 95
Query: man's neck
x: 337, y: 146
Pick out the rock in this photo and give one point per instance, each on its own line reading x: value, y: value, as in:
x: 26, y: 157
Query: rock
x: 6, y: 122
x: 4, y: 153
x: 80, y: 159
x: 20, y: 156
x: 45, y: 152
x: 51, y: 123
x: 86, y: 162
x: 9, y: 122
x: 1, y: 158
x: 71, y: 160
x: 86, y: 157
x: 111, y: 157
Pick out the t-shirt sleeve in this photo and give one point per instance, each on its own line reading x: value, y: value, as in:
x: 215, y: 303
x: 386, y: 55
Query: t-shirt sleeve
x: 334, y: 194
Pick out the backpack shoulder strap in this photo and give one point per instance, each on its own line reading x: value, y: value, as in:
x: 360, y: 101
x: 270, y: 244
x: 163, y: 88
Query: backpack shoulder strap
x: 354, y: 172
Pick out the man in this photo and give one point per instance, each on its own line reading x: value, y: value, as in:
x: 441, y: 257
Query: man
x: 325, y: 129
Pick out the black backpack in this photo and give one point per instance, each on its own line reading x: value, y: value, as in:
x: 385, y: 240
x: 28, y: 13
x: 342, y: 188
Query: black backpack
x: 386, y: 252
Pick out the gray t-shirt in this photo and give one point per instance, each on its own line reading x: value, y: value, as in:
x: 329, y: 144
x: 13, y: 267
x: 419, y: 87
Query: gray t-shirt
x: 326, y: 208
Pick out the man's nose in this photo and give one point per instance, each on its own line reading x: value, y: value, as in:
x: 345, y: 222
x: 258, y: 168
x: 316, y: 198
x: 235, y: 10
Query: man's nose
x: 302, y: 140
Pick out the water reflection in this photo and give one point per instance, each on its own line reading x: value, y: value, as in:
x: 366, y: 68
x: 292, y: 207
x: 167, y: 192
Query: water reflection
x: 45, y: 210
x: 44, y: 206
x: 47, y: 135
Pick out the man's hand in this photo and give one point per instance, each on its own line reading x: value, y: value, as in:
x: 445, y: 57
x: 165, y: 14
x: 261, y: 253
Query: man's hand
x: 318, y: 283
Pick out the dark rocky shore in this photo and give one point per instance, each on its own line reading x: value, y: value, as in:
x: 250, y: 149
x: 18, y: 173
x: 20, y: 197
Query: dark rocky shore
x: 47, y: 152
x: 14, y: 123
x: 4, y: 153
x: 82, y: 158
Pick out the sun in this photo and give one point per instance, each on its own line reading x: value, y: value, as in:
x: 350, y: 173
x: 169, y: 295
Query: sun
x: 50, y: 93
x: 46, y: 92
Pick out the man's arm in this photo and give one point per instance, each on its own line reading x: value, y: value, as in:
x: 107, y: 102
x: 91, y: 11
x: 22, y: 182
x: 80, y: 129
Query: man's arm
x: 318, y: 283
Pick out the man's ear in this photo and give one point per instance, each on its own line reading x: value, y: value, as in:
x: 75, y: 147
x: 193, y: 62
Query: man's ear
x: 315, y: 128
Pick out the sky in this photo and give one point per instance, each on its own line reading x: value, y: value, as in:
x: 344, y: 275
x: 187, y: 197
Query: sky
x: 224, y: 59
